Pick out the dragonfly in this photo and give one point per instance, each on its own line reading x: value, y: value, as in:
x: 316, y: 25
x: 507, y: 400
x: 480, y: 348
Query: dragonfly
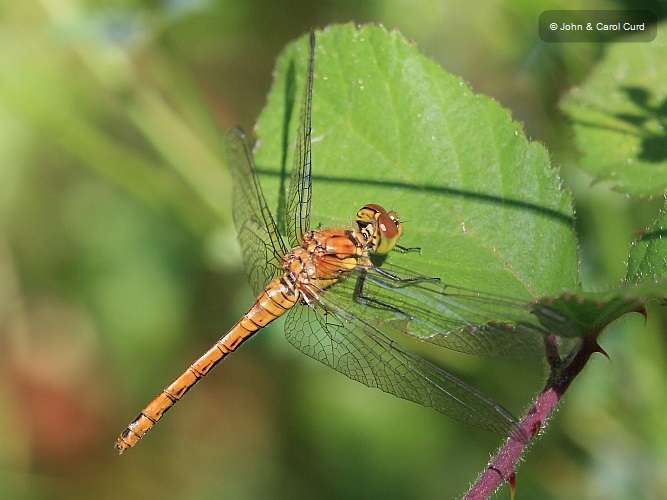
x: 344, y: 310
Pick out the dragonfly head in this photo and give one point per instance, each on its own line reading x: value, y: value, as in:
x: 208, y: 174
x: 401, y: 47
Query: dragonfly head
x: 381, y: 228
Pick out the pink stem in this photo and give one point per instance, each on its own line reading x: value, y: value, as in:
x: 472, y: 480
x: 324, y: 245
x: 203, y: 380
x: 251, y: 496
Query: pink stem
x: 563, y: 371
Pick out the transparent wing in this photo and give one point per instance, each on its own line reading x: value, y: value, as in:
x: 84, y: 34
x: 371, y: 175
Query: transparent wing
x: 464, y: 320
x: 344, y: 341
x: 261, y: 244
x: 300, y: 191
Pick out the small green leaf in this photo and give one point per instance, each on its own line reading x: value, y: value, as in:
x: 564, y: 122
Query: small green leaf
x: 620, y: 117
x: 585, y: 314
x: 648, y: 256
x: 393, y: 128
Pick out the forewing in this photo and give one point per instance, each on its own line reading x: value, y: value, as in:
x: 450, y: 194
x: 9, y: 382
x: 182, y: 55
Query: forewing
x: 300, y: 191
x: 463, y: 320
x: 353, y: 346
x: 261, y: 244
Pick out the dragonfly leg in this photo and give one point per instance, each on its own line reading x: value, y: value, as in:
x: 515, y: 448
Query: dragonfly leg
x: 364, y: 299
x: 403, y: 249
x: 404, y: 281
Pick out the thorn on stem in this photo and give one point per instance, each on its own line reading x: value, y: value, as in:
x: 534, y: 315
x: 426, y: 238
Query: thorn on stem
x: 598, y: 348
x: 642, y: 310
x: 536, y: 428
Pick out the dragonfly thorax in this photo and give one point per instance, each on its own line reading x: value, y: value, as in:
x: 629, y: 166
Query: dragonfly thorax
x: 327, y: 255
x: 323, y: 257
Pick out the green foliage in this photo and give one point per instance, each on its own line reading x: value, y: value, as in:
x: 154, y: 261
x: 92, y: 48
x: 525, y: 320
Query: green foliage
x: 620, y: 117
x: 483, y: 202
x: 648, y: 255
x: 391, y: 127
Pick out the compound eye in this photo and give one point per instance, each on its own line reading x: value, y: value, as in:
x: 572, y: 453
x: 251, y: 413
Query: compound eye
x: 389, y: 231
x: 387, y: 225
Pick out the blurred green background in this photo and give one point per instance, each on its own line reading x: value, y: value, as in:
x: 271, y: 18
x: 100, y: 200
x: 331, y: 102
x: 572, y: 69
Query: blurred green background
x: 119, y: 266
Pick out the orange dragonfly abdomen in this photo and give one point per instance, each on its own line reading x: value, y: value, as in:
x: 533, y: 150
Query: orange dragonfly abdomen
x: 275, y: 300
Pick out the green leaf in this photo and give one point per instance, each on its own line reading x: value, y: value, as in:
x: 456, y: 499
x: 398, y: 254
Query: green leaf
x: 647, y: 262
x: 393, y: 128
x: 585, y: 314
x: 619, y: 117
